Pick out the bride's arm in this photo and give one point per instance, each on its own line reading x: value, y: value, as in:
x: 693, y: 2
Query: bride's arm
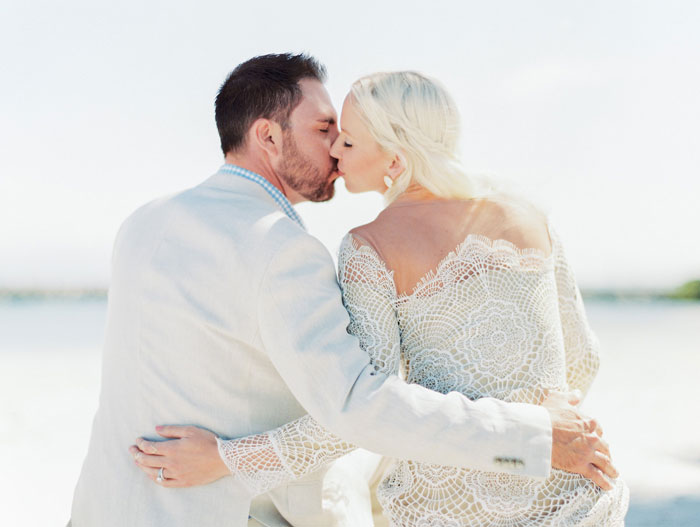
x: 580, y: 343
x: 267, y: 460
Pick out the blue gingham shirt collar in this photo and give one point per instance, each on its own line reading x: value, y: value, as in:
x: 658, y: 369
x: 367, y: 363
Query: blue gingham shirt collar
x: 273, y: 191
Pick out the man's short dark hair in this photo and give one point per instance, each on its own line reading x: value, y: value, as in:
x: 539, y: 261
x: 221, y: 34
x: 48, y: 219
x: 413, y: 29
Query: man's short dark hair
x: 264, y: 87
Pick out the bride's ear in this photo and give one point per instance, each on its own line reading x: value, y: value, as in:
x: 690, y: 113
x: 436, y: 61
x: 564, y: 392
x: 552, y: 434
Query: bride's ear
x: 397, y: 167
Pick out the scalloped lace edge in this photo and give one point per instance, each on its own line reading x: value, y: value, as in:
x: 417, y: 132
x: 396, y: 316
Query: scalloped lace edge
x: 527, y: 259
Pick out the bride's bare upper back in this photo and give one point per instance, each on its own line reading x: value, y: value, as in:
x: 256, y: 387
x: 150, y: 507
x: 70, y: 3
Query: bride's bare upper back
x: 413, y: 237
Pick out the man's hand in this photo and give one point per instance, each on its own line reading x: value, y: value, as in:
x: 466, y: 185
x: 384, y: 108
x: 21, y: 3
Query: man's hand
x: 191, y: 459
x: 577, y: 444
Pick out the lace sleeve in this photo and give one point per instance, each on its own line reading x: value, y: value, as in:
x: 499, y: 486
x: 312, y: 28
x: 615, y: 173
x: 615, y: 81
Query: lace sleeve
x: 265, y: 461
x: 580, y: 343
x: 369, y: 294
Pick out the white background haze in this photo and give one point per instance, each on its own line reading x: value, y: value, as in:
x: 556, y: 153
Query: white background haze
x: 589, y: 108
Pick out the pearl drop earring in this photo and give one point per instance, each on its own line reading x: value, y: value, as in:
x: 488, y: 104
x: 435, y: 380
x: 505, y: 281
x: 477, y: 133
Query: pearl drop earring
x: 388, y: 181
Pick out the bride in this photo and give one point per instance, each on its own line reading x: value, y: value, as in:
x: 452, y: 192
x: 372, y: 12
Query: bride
x: 456, y: 290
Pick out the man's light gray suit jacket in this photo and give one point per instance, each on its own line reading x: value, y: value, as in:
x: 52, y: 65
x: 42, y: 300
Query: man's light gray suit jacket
x: 224, y: 313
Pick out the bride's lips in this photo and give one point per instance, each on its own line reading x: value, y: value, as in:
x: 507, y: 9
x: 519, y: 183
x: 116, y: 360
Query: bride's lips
x: 339, y: 172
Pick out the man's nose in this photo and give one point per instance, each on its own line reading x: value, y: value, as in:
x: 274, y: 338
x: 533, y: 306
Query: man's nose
x: 334, y: 133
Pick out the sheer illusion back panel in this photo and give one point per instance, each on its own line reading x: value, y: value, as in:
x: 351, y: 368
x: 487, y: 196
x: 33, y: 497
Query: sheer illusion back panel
x: 413, y: 239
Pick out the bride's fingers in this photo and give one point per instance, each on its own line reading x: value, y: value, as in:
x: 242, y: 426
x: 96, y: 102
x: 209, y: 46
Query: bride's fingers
x: 175, y: 432
x: 152, y: 473
x: 150, y: 447
x: 146, y: 460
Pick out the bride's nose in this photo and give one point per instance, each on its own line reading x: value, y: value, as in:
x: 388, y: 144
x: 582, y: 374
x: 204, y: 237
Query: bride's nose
x: 335, y: 148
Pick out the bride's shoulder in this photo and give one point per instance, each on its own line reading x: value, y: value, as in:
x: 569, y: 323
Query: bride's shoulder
x: 512, y: 218
x: 359, y: 238
x: 360, y: 260
x: 368, y: 241
x: 370, y: 235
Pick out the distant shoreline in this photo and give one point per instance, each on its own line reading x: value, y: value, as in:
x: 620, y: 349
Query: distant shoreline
x: 626, y: 295
x: 608, y: 295
x: 8, y: 294
x: 689, y: 291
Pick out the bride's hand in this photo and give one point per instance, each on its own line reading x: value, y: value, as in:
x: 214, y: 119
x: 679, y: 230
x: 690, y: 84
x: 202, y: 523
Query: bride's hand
x: 191, y: 458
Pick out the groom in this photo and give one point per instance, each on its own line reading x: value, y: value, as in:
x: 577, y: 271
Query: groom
x: 225, y: 313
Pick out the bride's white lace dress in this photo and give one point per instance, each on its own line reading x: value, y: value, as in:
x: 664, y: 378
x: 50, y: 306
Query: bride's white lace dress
x: 491, y: 321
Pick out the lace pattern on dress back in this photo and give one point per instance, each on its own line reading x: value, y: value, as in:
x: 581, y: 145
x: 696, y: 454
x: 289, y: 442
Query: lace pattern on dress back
x: 491, y: 320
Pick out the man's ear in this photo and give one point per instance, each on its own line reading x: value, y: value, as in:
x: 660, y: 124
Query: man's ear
x: 266, y: 135
x: 397, y: 167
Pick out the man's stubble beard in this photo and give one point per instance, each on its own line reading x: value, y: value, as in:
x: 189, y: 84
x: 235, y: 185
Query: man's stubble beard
x: 302, y: 175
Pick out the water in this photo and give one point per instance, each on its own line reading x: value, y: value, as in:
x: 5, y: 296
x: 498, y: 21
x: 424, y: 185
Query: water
x: 646, y: 398
x: 49, y: 382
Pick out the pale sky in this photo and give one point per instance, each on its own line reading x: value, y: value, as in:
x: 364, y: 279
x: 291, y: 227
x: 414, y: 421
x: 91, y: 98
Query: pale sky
x: 590, y: 108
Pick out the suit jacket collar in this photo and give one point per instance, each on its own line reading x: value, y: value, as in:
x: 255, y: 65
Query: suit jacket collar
x: 235, y: 178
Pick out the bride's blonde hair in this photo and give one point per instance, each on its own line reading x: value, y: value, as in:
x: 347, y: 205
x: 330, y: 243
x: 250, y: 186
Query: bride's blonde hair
x: 413, y: 116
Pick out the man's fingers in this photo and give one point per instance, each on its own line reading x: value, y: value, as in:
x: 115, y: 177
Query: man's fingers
x: 599, y: 429
x: 595, y: 475
x: 604, y: 463
x: 602, y: 446
x: 593, y: 426
x: 174, y: 431
x: 574, y: 397
x: 596, y: 443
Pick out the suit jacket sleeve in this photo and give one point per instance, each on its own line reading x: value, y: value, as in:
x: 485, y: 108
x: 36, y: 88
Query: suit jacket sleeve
x: 303, y: 329
x: 264, y: 461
